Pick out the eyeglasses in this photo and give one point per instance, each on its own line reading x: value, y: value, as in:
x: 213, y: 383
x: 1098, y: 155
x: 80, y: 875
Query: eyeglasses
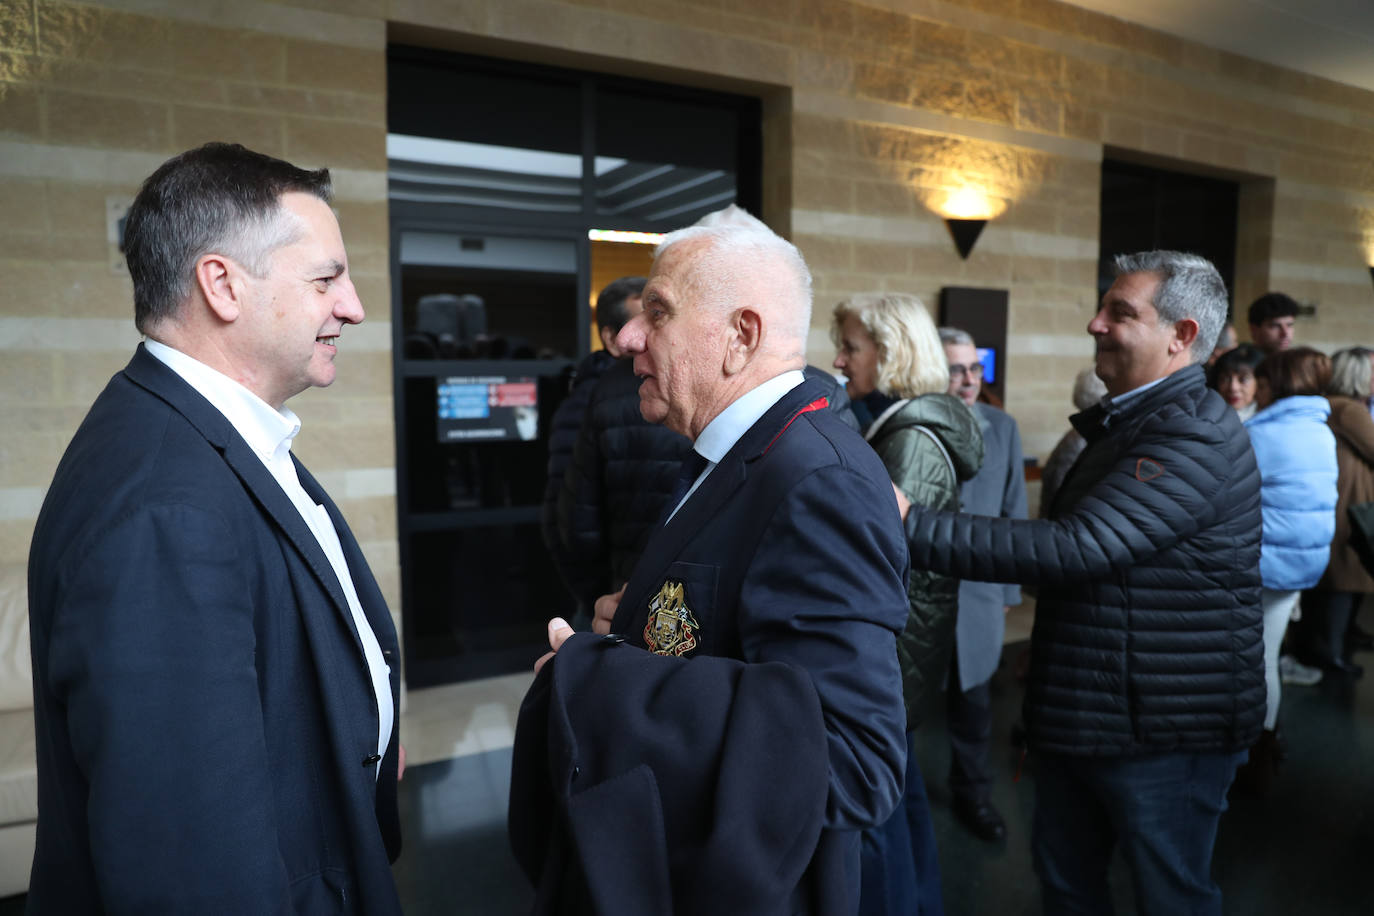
x: 974, y: 371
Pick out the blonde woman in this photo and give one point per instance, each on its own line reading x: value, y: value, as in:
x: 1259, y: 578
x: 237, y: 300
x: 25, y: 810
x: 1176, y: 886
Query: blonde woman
x: 897, y: 374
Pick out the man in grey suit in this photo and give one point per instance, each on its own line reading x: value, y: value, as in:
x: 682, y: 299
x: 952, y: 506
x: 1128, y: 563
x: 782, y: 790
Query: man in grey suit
x: 999, y: 488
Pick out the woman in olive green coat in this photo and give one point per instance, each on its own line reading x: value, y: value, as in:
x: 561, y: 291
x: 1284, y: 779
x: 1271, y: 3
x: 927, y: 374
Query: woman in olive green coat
x: 897, y: 375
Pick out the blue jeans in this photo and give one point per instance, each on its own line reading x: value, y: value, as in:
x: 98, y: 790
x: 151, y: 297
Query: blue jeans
x: 1162, y: 809
x: 899, y: 870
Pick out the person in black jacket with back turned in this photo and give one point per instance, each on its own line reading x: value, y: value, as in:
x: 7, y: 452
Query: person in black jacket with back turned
x: 617, y: 304
x: 1146, y: 682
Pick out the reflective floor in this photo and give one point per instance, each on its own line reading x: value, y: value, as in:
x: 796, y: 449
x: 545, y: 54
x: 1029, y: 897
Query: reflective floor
x: 1304, y: 850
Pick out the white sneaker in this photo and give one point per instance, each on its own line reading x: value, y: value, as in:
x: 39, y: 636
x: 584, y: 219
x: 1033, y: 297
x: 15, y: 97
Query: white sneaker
x: 1292, y: 671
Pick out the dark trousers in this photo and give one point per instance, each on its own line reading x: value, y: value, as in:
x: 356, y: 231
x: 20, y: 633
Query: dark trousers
x: 1327, y: 619
x: 1161, y: 809
x: 899, y: 868
x: 970, y: 738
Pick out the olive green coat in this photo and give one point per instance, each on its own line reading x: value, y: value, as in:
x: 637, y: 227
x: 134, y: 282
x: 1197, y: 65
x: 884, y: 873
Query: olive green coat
x: 921, y: 472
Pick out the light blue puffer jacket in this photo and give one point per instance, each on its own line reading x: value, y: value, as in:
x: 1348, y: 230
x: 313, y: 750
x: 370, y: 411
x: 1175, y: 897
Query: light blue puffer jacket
x: 1296, y: 454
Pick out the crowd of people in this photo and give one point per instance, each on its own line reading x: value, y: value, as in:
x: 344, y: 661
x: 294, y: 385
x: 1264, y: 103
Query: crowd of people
x: 1161, y: 499
x: 777, y: 573
x: 1308, y: 418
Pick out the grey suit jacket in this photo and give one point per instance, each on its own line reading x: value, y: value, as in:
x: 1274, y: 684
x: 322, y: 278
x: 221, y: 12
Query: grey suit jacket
x: 999, y: 488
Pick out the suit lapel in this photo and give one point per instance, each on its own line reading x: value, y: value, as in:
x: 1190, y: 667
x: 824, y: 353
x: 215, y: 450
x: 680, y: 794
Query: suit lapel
x: 150, y: 373
x: 369, y: 594
x: 665, y: 543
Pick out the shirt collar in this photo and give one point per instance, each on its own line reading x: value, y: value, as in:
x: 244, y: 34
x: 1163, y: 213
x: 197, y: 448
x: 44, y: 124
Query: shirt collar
x: 1121, y: 400
x: 721, y: 434
x: 266, y: 430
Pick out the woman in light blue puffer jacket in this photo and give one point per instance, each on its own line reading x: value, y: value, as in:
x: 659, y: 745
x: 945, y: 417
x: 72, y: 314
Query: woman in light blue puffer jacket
x: 1296, y: 454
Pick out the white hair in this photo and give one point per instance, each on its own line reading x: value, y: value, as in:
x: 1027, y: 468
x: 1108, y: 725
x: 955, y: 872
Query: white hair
x: 1088, y: 389
x: 739, y: 260
x: 956, y: 337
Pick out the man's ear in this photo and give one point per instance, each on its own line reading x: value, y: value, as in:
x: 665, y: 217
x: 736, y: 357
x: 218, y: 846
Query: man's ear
x: 221, y: 284
x: 746, y: 334
x: 1185, y: 332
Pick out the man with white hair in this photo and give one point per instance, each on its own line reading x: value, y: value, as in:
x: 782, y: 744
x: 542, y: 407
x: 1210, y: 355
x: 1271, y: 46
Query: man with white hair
x: 737, y: 722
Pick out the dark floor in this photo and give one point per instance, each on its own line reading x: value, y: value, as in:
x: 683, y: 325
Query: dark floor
x: 1304, y: 850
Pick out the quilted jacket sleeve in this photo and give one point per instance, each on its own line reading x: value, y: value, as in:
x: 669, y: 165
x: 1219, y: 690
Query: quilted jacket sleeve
x: 1160, y: 490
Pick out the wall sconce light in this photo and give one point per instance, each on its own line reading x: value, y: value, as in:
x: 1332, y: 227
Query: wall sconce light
x: 966, y: 212
x: 965, y: 233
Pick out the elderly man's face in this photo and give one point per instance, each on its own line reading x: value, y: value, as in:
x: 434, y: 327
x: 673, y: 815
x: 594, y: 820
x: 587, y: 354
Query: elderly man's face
x: 287, y: 335
x: 1132, y: 343
x: 678, y: 345
x: 965, y: 372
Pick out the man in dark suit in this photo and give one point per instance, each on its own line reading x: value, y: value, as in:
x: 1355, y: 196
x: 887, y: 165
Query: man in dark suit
x: 999, y: 488
x: 724, y: 751
x: 215, y: 670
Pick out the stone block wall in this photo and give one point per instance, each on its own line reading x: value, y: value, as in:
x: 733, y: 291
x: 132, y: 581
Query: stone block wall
x: 93, y: 97
x: 874, y: 114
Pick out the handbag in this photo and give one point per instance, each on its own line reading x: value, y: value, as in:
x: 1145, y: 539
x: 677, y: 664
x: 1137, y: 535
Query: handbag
x: 1361, y: 517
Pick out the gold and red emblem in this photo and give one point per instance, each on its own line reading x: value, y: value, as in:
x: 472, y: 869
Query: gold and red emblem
x: 671, y: 629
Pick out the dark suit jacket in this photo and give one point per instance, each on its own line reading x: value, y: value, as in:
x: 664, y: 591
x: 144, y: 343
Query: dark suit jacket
x: 792, y: 563
x: 206, y: 724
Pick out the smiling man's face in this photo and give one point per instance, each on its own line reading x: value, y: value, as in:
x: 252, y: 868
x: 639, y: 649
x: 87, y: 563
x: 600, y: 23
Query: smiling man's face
x: 1133, y: 345
x: 295, y: 313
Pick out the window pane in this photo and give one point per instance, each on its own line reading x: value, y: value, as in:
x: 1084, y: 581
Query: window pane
x: 663, y: 160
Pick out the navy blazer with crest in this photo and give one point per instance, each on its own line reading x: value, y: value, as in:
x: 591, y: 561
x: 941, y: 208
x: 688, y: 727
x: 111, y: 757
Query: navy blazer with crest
x: 206, y: 723
x: 792, y: 564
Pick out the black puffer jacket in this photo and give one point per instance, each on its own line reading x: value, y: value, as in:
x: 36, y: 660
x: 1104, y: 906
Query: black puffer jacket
x: 623, y: 471
x: 563, y: 433
x: 1148, y: 630
x: 922, y: 472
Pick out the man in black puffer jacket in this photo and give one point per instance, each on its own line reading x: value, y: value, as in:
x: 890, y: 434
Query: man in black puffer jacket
x: 1146, y: 682
x: 617, y: 304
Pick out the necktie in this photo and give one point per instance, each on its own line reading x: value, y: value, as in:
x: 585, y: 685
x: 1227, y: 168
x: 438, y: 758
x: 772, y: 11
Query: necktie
x: 692, y: 466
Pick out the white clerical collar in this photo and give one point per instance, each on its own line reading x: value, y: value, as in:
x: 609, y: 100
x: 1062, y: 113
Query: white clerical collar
x: 721, y: 434
x: 267, y: 431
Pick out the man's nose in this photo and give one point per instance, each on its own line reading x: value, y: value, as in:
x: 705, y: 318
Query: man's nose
x: 631, y: 336
x: 1097, y: 325
x: 349, y: 308
x: 839, y: 361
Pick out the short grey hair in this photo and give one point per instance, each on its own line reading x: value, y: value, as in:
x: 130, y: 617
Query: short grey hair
x: 956, y: 337
x: 1088, y: 389
x: 729, y: 259
x: 1351, y: 373
x: 1189, y: 287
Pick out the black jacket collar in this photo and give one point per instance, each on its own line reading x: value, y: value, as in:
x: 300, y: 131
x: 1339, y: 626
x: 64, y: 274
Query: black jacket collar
x: 1094, y: 422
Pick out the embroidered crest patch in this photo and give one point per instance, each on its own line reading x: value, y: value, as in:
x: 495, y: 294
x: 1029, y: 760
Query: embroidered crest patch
x: 671, y: 629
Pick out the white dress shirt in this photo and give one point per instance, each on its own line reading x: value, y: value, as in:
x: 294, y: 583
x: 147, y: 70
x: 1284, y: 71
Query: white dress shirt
x: 721, y: 434
x: 268, y: 433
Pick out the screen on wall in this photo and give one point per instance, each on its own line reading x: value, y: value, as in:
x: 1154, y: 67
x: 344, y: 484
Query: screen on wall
x: 488, y: 407
x: 988, y: 357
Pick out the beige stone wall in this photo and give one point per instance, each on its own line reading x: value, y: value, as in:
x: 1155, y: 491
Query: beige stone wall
x: 874, y: 113
x: 93, y: 97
